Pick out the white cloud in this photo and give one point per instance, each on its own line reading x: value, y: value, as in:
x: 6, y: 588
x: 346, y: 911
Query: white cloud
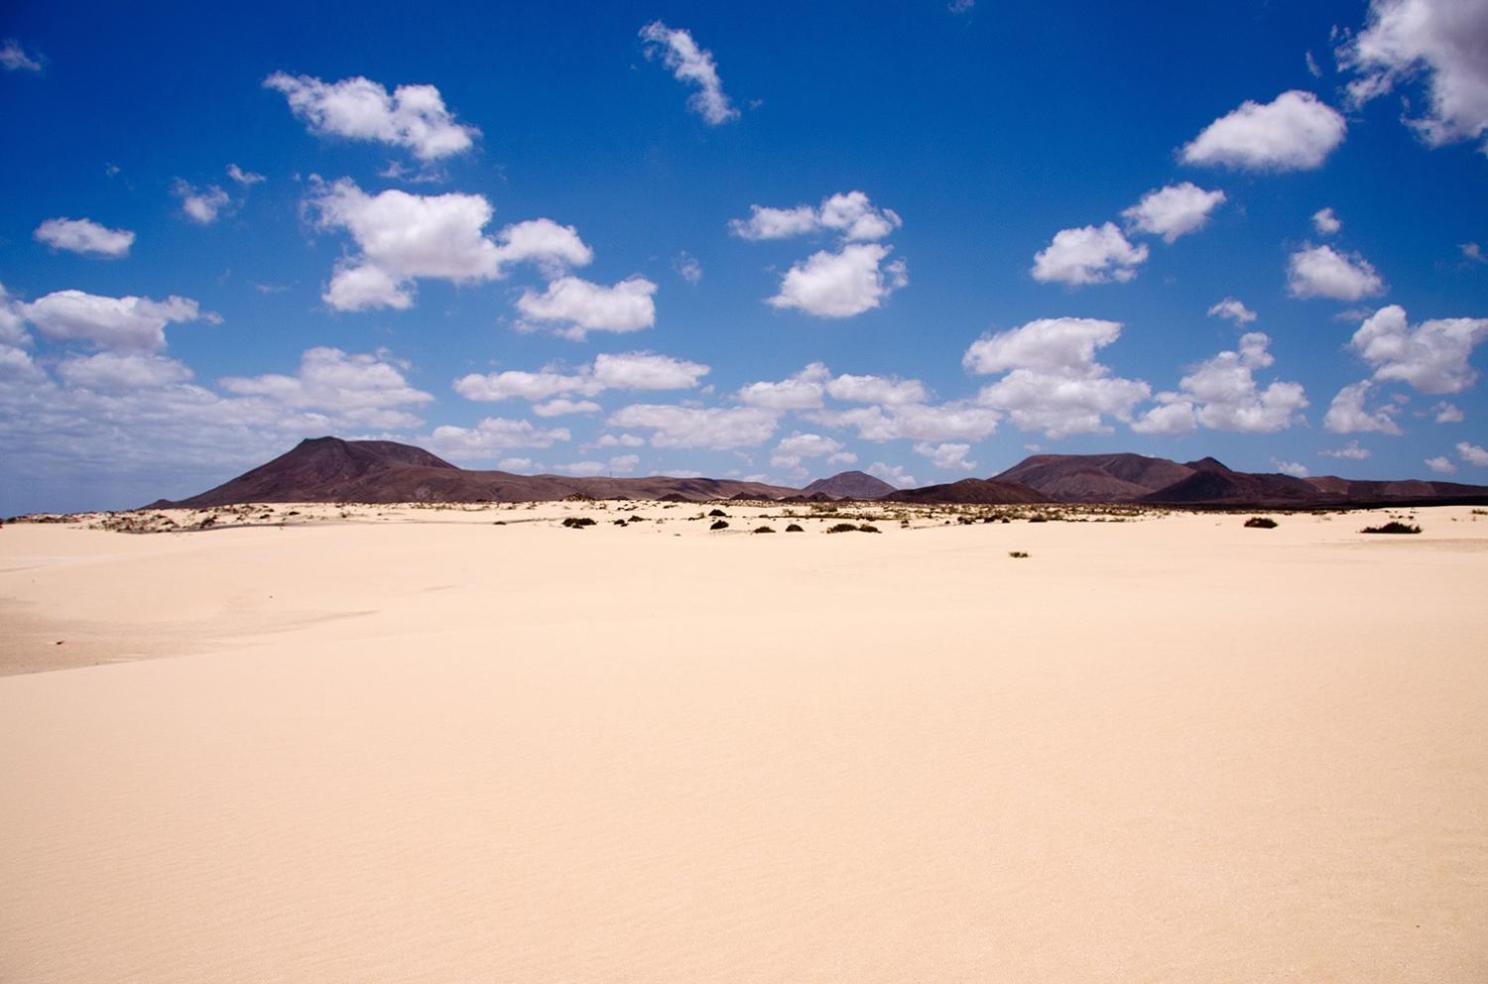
x: 1173, y: 211
x: 1088, y: 255
x: 893, y: 474
x: 413, y: 116
x: 693, y: 65
x: 1293, y: 468
x: 1349, y: 452
x: 491, y: 437
x: 402, y: 237
x: 688, y: 268
x: 884, y: 390
x: 13, y: 58
x: 1432, y: 356
x: 620, y: 441
x: 914, y: 421
x: 246, y: 178
x: 1440, y: 40
x: 697, y: 427
x: 1447, y: 413
x: 109, y: 322
x: 1473, y: 253
x: 1295, y: 131
x: 1441, y: 464
x: 12, y: 321
x: 803, y: 391
x: 622, y: 371
x: 1325, y: 222
x: 842, y: 284
x: 791, y: 450
x: 1472, y: 454
x: 368, y: 390
x: 115, y: 371
x: 200, y: 205
x: 1313, y: 68
x: 573, y: 307
x: 949, y: 457
x: 515, y: 464
x: 1348, y: 415
x: 851, y: 215
x: 1233, y: 309
x: 1054, y: 385
x: 1221, y: 393
x: 562, y: 405
x: 84, y: 236
x: 1321, y: 271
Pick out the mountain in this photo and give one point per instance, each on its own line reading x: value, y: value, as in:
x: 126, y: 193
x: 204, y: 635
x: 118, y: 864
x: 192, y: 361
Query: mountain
x: 1095, y: 477
x: 329, y: 469
x: 850, y: 485
x: 970, y: 491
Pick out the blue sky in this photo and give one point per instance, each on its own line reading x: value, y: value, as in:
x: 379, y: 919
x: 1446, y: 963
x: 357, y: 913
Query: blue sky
x: 744, y: 240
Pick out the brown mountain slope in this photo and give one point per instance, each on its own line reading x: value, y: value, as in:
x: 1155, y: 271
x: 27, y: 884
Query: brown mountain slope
x: 1095, y: 477
x: 970, y: 491
x: 850, y: 485
x: 328, y: 469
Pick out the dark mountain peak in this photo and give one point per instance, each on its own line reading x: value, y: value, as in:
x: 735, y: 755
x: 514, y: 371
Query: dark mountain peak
x: 1119, y: 477
x: 1208, y: 464
x: 973, y: 491
x: 850, y: 485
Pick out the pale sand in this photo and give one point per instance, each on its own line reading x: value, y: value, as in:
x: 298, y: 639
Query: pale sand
x: 1173, y: 750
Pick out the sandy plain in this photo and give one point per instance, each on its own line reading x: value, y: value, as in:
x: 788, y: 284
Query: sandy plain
x: 409, y: 744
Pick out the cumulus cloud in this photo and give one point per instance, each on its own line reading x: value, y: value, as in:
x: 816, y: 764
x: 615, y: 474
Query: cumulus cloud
x: 12, y: 321
x: 1293, y: 468
x: 562, y: 405
x: 1053, y: 384
x: 791, y: 450
x: 1233, y: 309
x: 492, y: 437
x: 1325, y: 222
x: 412, y: 116
x: 960, y: 421
x: 618, y: 371
x: 84, y: 236
x: 1431, y: 356
x: 1221, y: 393
x: 893, y: 474
x: 1294, y: 132
x: 1472, y: 454
x: 109, y: 322
x: 200, y: 205
x: 802, y: 391
x: 692, y: 65
x: 572, y: 307
x: 1322, y: 271
x: 1441, y: 464
x: 402, y: 237
x: 851, y: 215
x: 688, y: 268
x: 946, y: 456
x: 111, y: 371
x: 1439, y: 41
x: 1446, y: 413
x: 1349, y: 452
x: 368, y: 390
x: 1348, y: 415
x: 715, y: 428
x: 1088, y: 255
x: 841, y: 284
x: 13, y: 58
x: 884, y: 390
x: 1173, y: 211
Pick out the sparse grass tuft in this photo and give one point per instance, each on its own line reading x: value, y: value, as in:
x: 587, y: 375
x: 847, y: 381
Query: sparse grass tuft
x: 1392, y: 527
x: 1018, y: 554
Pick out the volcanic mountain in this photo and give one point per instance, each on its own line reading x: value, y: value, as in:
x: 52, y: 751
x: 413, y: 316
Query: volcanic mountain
x: 1095, y: 477
x: 850, y: 485
x: 328, y: 469
x: 971, y: 491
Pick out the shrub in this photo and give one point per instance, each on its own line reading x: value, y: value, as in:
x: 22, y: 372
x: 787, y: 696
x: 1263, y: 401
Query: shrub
x: 763, y: 529
x: 718, y: 512
x: 794, y: 528
x: 577, y: 522
x: 1260, y: 523
x: 866, y: 528
x: 720, y: 524
x: 1392, y: 527
x: 842, y: 528
x: 1038, y: 519
x: 1017, y: 554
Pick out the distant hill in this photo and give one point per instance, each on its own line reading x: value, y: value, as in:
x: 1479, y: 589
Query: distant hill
x: 850, y: 485
x: 971, y: 491
x: 329, y: 469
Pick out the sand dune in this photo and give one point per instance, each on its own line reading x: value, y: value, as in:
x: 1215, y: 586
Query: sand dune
x: 413, y: 745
